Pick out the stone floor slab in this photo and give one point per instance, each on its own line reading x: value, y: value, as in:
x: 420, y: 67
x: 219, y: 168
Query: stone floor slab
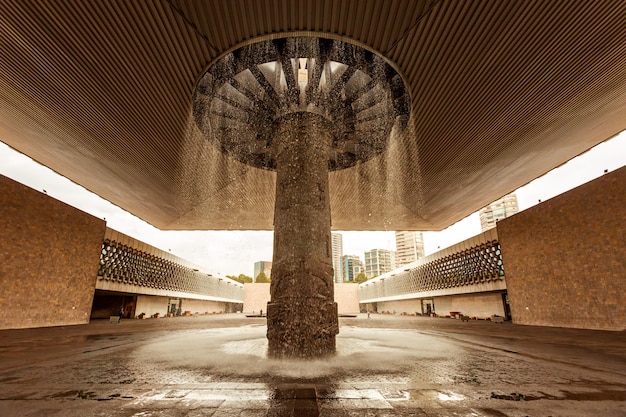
x: 463, y: 369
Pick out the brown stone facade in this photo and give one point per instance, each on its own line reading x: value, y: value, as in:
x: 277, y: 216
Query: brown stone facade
x: 565, y: 259
x: 49, y: 255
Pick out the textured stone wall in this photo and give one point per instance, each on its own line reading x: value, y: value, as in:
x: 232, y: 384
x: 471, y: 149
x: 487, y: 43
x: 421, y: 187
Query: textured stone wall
x: 49, y: 255
x: 565, y: 259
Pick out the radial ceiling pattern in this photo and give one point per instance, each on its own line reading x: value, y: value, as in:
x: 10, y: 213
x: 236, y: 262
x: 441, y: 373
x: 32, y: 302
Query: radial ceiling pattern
x: 244, y: 94
x: 501, y: 92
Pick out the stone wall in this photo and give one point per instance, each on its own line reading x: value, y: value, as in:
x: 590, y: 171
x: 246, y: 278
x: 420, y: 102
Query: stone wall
x: 565, y: 259
x: 478, y: 305
x: 49, y: 255
x: 203, y: 306
x: 410, y: 307
x: 475, y: 305
x: 257, y: 295
x: 151, y: 304
x: 347, y: 298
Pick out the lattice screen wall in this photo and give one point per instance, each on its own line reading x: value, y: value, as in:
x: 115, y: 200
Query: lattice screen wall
x: 478, y: 264
x: 126, y: 264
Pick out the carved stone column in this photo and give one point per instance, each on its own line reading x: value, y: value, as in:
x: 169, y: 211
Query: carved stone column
x: 302, y: 319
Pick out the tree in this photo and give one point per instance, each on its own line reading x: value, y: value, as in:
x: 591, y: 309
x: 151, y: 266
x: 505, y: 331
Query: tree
x: 244, y: 278
x: 360, y: 278
x: 262, y: 277
x: 241, y: 278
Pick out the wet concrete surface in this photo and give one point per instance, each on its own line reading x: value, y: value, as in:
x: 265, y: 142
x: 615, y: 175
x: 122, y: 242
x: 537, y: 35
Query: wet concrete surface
x: 384, y: 366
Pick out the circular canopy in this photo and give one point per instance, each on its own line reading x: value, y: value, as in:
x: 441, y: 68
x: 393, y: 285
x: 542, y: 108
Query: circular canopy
x: 241, y: 96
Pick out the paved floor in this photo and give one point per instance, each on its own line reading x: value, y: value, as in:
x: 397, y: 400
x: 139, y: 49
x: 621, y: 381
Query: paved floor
x: 385, y: 366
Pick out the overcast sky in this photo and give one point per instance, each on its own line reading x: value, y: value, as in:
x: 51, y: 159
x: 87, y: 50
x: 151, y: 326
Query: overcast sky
x: 234, y: 252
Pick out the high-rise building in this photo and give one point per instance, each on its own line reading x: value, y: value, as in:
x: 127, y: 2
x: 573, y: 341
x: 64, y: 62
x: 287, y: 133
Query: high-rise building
x: 262, y: 266
x: 337, y: 253
x: 498, y: 210
x: 351, y: 266
x: 409, y: 247
x: 379, y: 261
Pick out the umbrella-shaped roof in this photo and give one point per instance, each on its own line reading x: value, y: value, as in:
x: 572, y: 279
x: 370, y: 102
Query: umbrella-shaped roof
x: 501, y: 92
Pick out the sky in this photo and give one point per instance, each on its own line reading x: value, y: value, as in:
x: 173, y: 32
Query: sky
x: 234, y: 252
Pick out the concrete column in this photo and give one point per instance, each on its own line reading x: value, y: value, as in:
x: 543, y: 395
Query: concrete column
x: 302, y: 315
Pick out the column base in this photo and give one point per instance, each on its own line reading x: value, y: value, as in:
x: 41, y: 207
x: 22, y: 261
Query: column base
x: 302, y: 328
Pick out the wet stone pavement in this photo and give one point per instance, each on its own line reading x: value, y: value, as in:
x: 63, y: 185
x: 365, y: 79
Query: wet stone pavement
x: 384, y: 366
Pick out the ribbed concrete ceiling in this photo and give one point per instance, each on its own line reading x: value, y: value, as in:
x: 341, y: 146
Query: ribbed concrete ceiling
x: 501, y: 92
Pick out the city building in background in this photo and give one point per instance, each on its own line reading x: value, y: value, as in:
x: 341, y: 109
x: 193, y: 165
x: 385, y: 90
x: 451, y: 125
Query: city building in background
x: 409, y: 247
x: 379, y: 261
x: 351, y: 266
x: 498, y: 210
x: 262, y: 266
x: 337, y: 248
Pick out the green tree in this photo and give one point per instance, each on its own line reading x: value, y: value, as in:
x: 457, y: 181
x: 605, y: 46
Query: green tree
x: 244, y: 278
x: 262, y: 277
x: 360, y: 278
x: 241, y: 278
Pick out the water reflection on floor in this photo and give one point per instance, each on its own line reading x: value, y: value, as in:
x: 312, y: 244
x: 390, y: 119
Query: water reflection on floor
x: 376, y: 372
x: 240, y: 353
x: 372, y: 369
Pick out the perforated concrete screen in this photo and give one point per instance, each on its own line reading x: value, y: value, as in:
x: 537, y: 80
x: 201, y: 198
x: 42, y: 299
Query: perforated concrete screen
x: 500, y: 91
x: 140, y: 268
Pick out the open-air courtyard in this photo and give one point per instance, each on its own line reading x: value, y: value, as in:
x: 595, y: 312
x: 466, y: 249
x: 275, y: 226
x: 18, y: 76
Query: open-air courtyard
x: 307, y: 117
x: 385, y: 365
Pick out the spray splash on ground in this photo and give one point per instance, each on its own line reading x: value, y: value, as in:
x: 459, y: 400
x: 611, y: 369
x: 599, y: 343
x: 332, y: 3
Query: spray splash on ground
x: 229, y: 353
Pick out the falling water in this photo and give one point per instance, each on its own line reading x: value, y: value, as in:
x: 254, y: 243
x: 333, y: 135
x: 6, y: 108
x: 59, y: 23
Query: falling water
x: 300, y: 106
x: 224, y: 178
